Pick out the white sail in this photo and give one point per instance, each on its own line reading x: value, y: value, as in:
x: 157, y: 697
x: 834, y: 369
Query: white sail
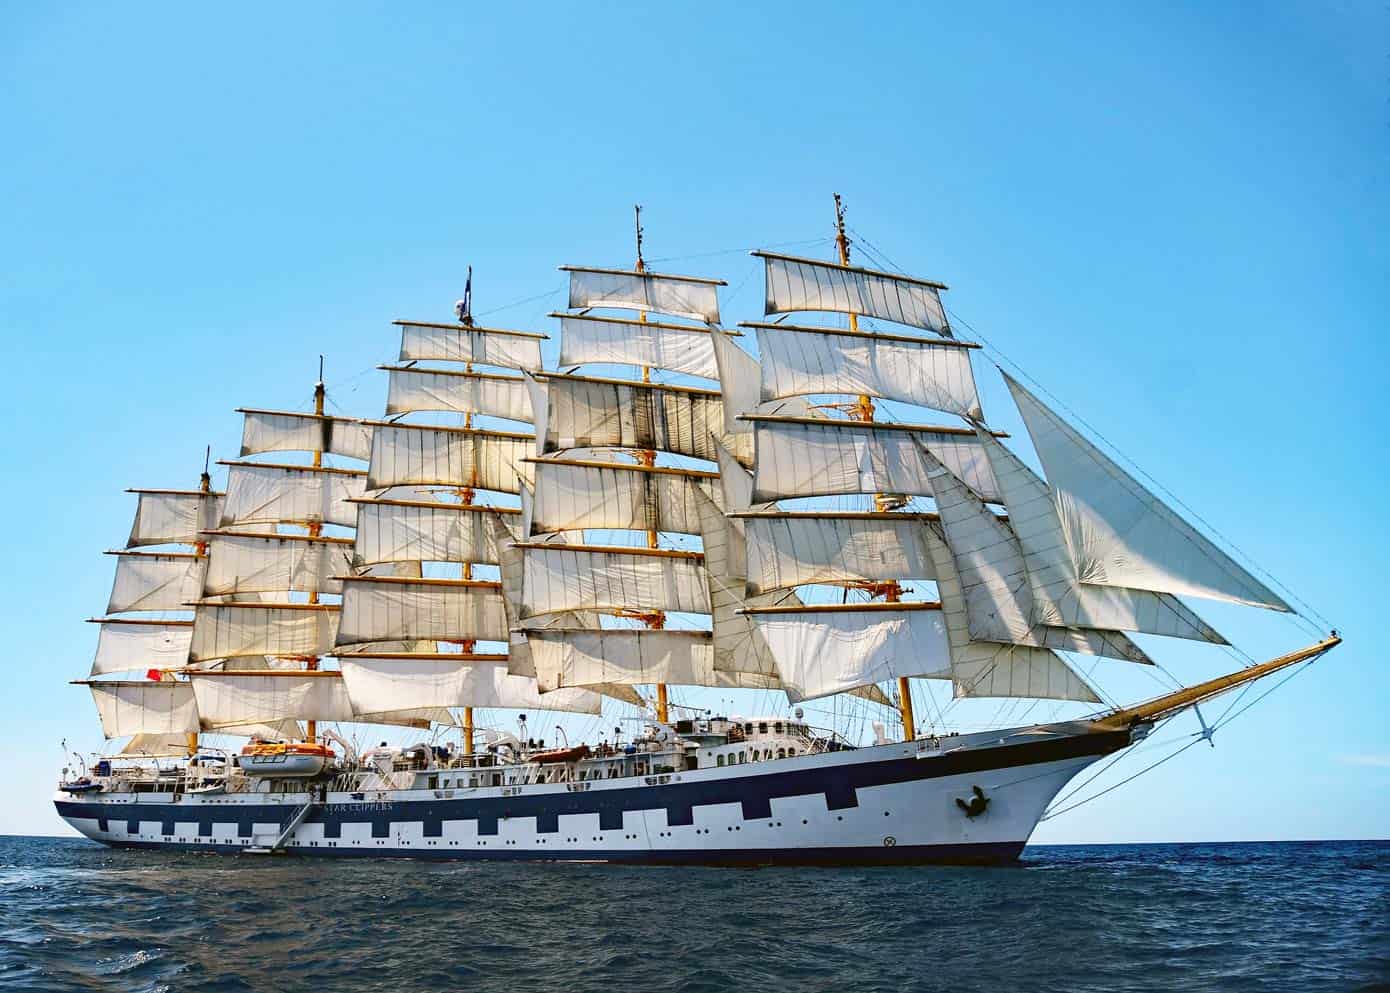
x: 740, y: 381
x: 287, y: 431
x: 255, y: 563
x: 166, y: 517
x: 796, y: 549
x: 800, y: 361
x: 738, y: 645
x: 484, y: 346
x: 230, y: 630
x: 280, y: 494
x: 461, y: 392
x: 573, y: 495
x: 239, y: 698
x: 611, y: 340
x: 989, y: 668
x: 735, y: 482
x: 155, y: 581
x: 1119, y: 533
x: 802, y: 457
x: 678, y: 296
x: 588, y: 412
x: 821, y: 652
x: 375, y: 684
x: 131, y: 646
x: 145, y: 707
x: 566, y: 577
x: 421, y: 531
x: 807, y: 284
x: 385, y: 609
x: 422, y: 454
x: 511, y: 567
x: 1059, y: 597
x: 625, y: 656
x: 994, y: 583
x: 156, y: 745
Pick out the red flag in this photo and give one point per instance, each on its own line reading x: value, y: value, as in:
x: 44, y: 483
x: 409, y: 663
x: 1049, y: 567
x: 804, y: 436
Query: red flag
x: 154, y: 674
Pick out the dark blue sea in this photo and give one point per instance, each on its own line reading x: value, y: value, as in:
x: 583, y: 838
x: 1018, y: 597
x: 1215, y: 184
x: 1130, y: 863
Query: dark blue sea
x: 1235, y: 917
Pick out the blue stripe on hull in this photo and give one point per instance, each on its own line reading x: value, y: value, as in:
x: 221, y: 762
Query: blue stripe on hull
x: 1002, y: 853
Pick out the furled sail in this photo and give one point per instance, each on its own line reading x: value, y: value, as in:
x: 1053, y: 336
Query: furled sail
x: 288, y: 431
x: 800, y: 361
x: 139, y: 645
x: 572, y: 494
x: 426, y: 454
x: 590, y: 412
x: 381, y: 684
x: 1059, y: 597
x: 808, y: 284
x: 166, y: 517
x: 989, y: 668
x: 230, y: 630
x: 165, y: 706
x: 626, y: 342
x: 797, y: 548
x: 678, y: 296
x: 412, y: 389
x: 626, y: 656
x: 380, y: 608
x: 259, y: 493
x: 274, y: 563
x: 155, y: 581
x: 571, y: 577
x: 422, y: 531
x: 240, y: 697
x: 457, y: 343
x: 1119, y: 533
x: 803, y: 457
x: 994, y: 583
x: 826, y: 650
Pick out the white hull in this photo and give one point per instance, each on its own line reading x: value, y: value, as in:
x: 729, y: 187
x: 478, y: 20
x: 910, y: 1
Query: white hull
x: 889, y: 803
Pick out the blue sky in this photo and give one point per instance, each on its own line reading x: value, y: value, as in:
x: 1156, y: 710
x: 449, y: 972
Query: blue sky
x: 1171, y: 215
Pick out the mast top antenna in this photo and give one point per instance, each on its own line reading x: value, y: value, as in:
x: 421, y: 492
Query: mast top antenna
x: 841, y: 239
x: 637, y: 221
x: 463, y: 309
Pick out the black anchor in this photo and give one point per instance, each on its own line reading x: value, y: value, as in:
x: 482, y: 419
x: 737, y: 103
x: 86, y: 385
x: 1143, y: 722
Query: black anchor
x: 977, y: 803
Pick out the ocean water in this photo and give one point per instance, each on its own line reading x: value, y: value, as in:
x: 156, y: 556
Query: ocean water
x: 1281, y: 917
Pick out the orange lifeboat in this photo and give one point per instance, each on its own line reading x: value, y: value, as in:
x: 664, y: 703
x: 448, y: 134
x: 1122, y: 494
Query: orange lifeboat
x: 560, y: 755
x: 285, y: 760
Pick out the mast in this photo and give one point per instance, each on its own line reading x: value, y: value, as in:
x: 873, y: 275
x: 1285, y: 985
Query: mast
x: 465, y: 496
x: 863, y: 410
x: 201, y: 548
x: 647, y: 456
x: 315, y: 529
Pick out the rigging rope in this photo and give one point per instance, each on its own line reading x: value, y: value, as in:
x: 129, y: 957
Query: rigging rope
x: 1196, y: 737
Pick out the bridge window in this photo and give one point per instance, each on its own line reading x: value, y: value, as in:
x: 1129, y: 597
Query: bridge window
x: 719, y: 760
x: 777, y: 727
x: 762, y: 728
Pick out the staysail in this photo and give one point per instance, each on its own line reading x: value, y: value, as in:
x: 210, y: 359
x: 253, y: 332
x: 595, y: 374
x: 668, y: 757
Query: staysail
x: 1120, y: 534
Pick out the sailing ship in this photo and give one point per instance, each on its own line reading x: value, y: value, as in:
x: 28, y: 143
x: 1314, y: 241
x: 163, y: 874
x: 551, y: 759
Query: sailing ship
x: 523, y: 541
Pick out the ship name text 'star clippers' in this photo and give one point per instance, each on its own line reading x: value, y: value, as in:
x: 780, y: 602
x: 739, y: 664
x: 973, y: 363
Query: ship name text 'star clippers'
x: 531, y: 544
